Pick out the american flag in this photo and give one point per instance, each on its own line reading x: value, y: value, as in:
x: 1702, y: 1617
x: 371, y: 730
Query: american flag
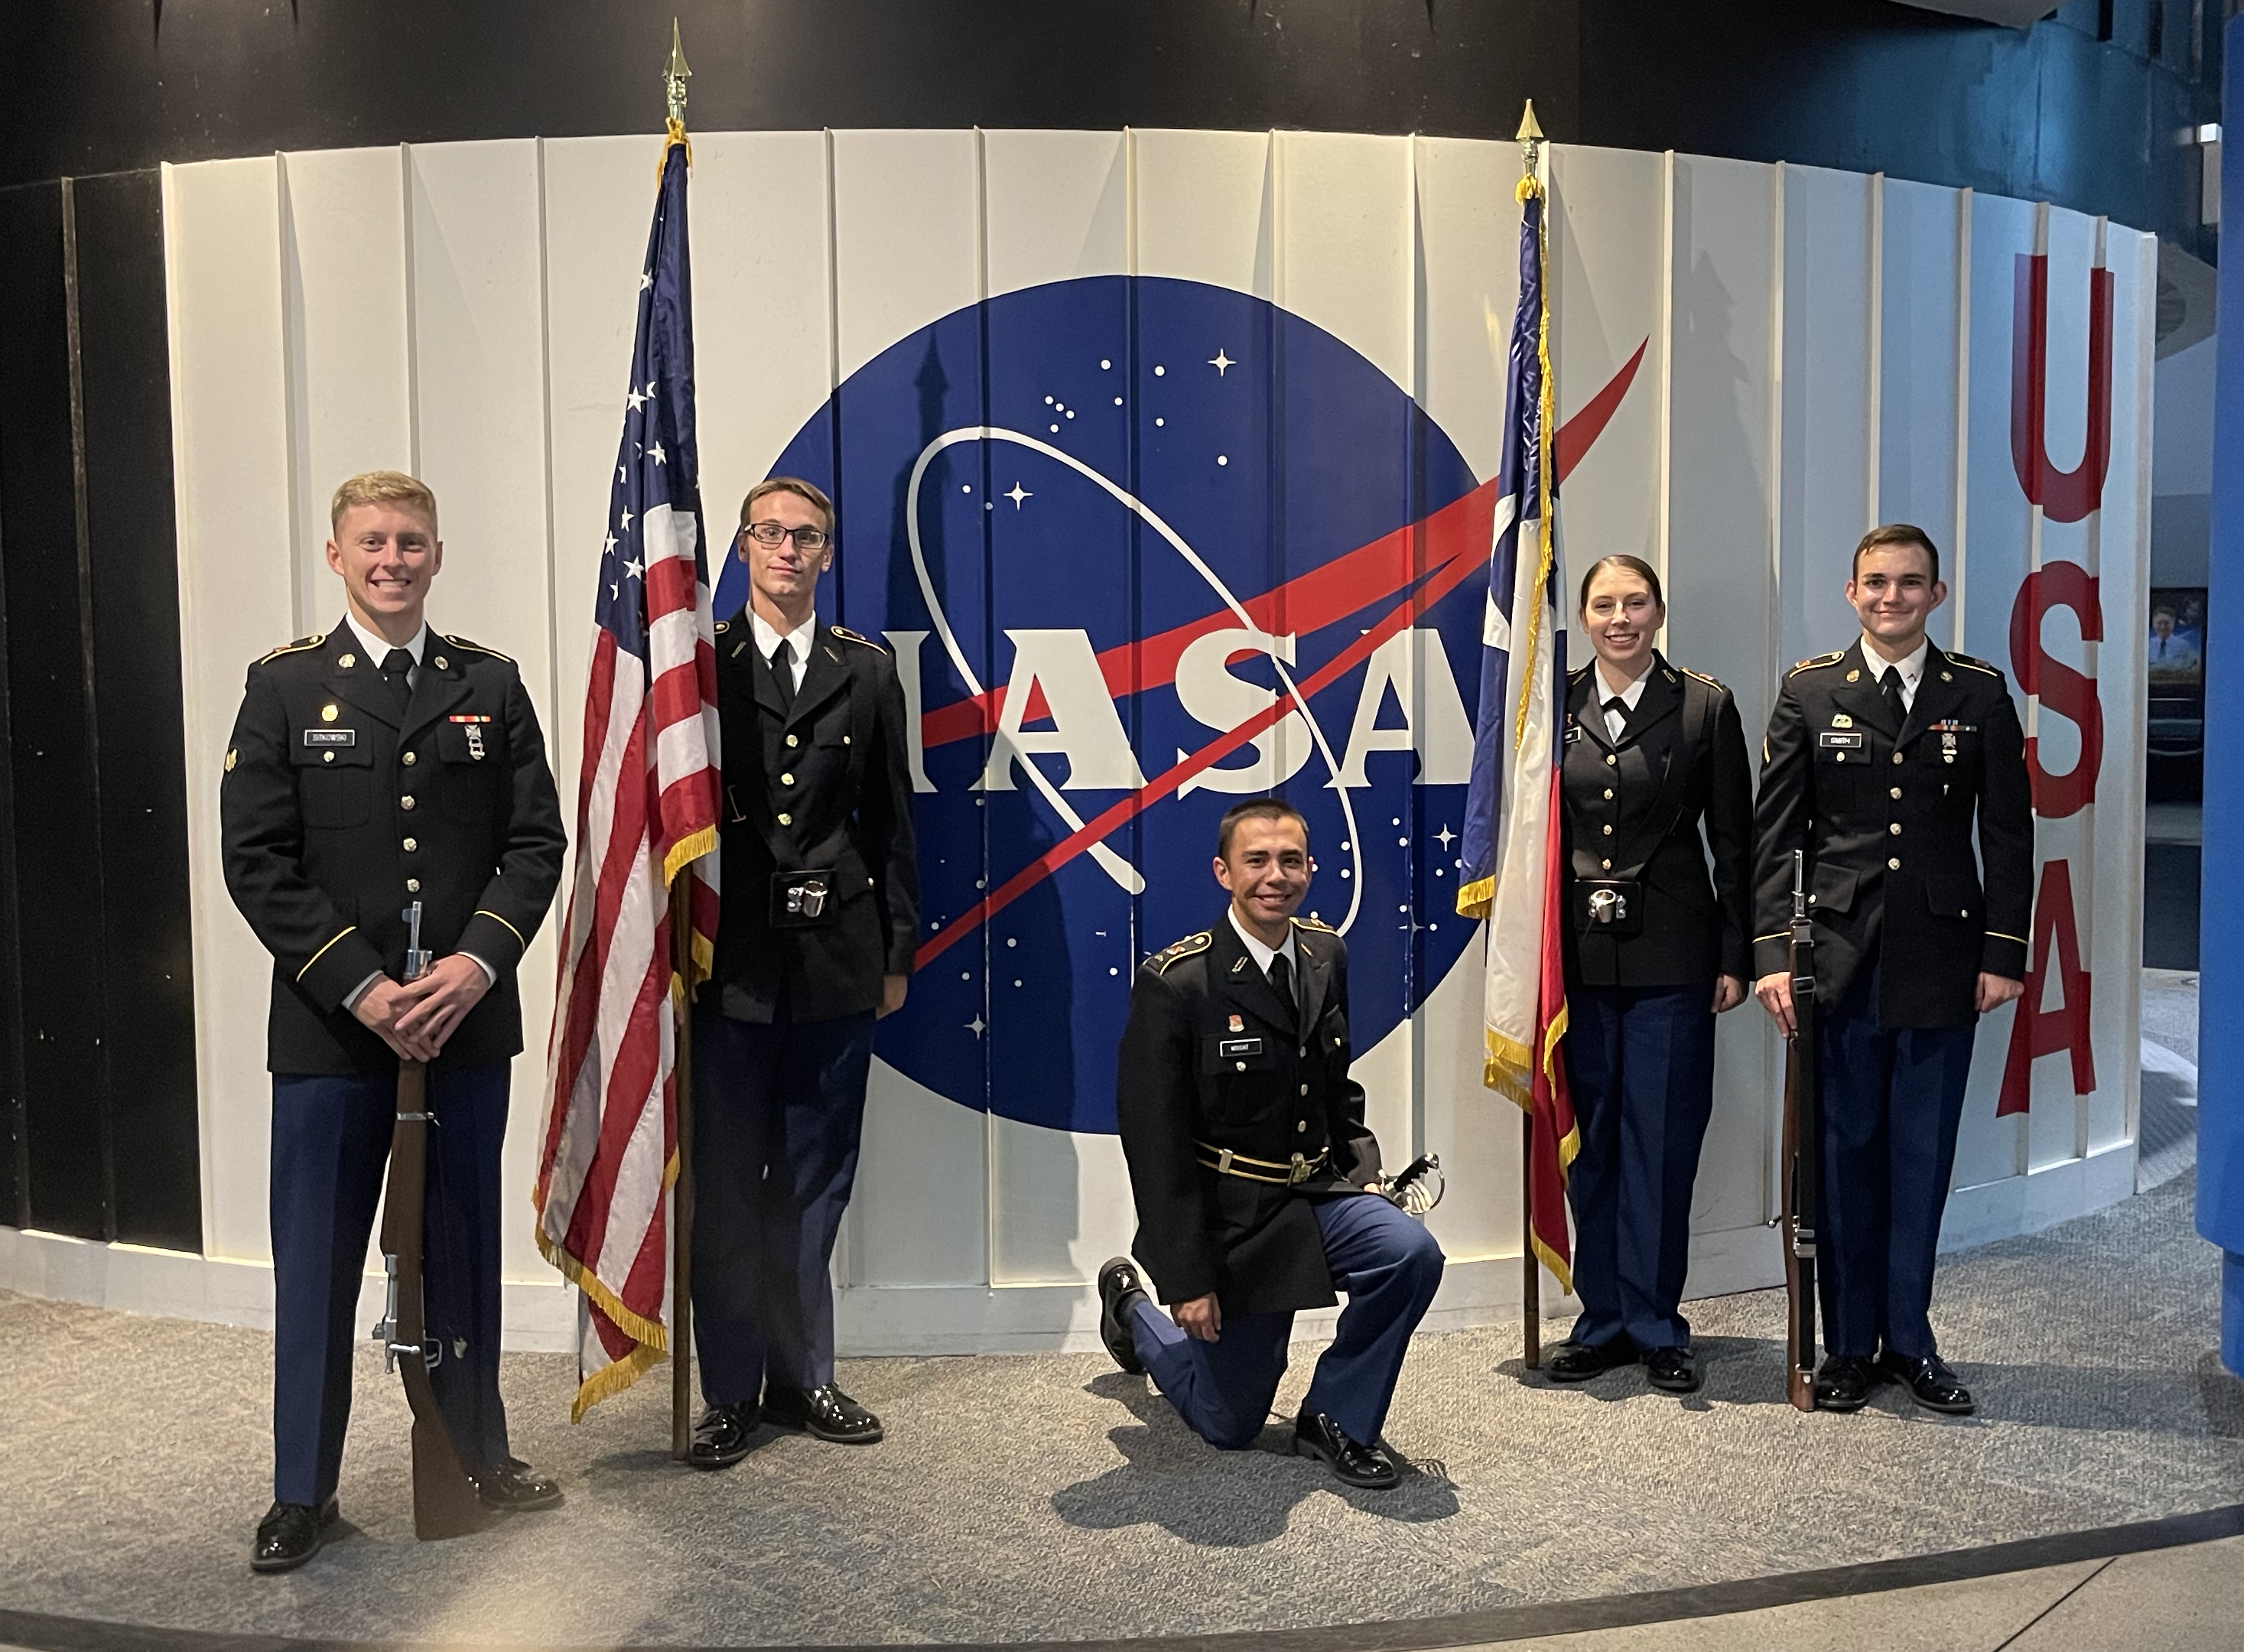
x: 646, y: 813
x: 1514, y: 863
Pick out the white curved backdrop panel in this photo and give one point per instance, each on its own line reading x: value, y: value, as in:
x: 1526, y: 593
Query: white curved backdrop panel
x: 1816, y: 352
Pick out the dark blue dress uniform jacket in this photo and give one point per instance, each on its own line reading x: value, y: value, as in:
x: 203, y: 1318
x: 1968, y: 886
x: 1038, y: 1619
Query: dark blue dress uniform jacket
x: 823, y: 780
x: 1633, y: 808
x: 1885, y: 813
x: 335, y: 815
x: 1264, y: 1087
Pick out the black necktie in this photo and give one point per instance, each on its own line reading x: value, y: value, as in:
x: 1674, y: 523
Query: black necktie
x: 1621, y: 705
x: 396, y: 666
x: 1890, y: 686
x: 782, y: 666
x: 1282, y: 983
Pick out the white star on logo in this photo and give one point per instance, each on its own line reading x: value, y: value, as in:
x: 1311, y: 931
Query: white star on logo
x: 1445, y: 837
x: 976, y: 1025
x: 625, y: 523
x: 609, y: 548
x: 660, y: 457
x: 636, y: 400
x: 1018, y: 494
x: 635, y: 569
x: 1221, y: 363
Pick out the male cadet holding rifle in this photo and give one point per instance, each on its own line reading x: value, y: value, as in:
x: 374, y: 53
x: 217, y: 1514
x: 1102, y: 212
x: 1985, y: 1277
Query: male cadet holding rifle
x: 371, y: 766
x: 1878, y: 759
x: 815, y: 942
x: 1257, y: 1183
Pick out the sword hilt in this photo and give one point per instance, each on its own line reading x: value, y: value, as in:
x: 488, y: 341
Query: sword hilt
x: 417, y: 962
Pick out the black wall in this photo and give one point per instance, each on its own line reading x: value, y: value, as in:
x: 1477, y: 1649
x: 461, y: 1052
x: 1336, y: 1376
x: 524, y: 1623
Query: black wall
x: 2085, y: 109
x: 96, y: 1008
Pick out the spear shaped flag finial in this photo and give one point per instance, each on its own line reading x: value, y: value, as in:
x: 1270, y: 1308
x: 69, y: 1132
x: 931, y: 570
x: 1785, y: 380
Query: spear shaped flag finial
x: 673, y: 79
x: 1530, y: 132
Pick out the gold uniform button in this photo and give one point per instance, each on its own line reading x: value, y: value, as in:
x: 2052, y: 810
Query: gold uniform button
x: 1608, y: 794
x: 347, y: 661
x: 405, y: 802
x: 1300, y: 1125
x: 788, y: 820
x: 1893, y: 865
x: 792, y: 741
x: 1606, y: 829
x: 1893, y: 791
x: 1606, y: 864
x: 1305, y: 1089
x: 1611, y: 760
x: 787, y: 780
x: 1304, y: 1050
x: 1895, y: 829
x: 411, y: 845
x: 1241, y: 1065
x: 409, y: 758
x: 1897, y: 756
x: 439, y: 663
x: 328, y: 713
x: 327, y: 756
x: 412, y: 886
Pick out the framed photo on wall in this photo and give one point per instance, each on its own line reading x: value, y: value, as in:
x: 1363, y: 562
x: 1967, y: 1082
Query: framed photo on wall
x: 2175, y: 655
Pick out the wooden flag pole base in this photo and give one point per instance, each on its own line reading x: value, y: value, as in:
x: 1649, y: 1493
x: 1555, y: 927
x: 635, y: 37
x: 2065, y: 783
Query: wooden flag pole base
x: 1530, y: 1272
x: 681, y: 1191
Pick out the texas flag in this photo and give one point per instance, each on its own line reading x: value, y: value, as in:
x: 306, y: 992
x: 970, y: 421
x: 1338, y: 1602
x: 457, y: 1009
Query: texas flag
x: 1514, y: 863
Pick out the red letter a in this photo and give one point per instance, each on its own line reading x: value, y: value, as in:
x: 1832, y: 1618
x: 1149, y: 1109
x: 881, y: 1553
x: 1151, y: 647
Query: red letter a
x: 2036, y: 1032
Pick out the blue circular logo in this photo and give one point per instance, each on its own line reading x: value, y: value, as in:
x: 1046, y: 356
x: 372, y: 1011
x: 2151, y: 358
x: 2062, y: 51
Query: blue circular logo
x: 1142, y: 547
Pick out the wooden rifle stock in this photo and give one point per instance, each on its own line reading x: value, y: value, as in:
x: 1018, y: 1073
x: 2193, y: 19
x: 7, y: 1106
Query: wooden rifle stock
x: 444, y: 1499
x: 1803, y: 1137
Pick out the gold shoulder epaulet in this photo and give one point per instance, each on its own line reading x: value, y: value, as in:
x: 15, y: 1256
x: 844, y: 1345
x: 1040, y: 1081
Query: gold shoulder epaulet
x: 1575, y: 675
x: 848, y: 635
x: 1312, y: 922
x: 463, y: 642
x: 1710, y: 682
x: 1176, y: 949
x: 317, y: 639
x: 1970, y: 664
x: 1811, y: 663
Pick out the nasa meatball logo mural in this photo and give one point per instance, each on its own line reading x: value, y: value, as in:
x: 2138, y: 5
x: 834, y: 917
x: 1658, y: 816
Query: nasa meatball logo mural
x: 1141, y: 547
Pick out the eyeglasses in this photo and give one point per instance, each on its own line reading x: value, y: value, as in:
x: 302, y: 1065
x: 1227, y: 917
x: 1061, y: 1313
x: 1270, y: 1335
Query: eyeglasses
x: 770, y: 533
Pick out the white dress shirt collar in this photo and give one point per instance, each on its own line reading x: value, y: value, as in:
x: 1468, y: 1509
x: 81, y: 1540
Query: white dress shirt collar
x: 1911, y: 667
x: 798, y: 641
x: 1263, y: 954
x: 377, y: 649
x: 1616, y: 720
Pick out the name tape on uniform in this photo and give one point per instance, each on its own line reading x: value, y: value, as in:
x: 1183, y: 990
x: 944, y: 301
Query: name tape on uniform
x: 331, y: 736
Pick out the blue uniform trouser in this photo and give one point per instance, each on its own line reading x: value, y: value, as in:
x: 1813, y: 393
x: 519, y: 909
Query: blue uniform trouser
x: 1386, y: 1263
x: 778, y: 1110
x: 1890, y: 1102
x: 1640, y: 1064
x: 330, y: 1152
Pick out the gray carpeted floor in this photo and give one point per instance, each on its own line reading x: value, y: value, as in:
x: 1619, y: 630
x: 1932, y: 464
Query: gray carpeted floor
x: 1051, y: 1496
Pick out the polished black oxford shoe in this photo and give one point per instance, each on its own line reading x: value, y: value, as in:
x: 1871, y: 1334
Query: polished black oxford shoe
x: 1370, y: 1466
x: 512, y: 1488
x: 720, y: 1438
x: 1120, y: 1291
x: 1844, y: 1384
x: 1574, y: 1362
x: 1671, y: 1370
x: 291, y: 1533
x: 825, y: 1412
x: 1929, y: 1382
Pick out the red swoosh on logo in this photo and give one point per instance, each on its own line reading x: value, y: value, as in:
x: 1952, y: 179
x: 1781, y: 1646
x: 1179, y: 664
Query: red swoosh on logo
x: 1441, y: 551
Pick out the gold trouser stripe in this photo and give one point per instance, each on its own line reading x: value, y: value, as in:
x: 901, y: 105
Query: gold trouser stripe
x: 485, y: 911
x: 322, y: 952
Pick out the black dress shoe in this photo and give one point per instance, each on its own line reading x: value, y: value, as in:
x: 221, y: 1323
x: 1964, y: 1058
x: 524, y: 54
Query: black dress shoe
x: 720, y: 1438
x: 512, y: 1488
x: 1844, y: 1384
x: 1119, y: 1292
x: 1671, y: 1370
x: 291, y: 1533
x: 1369, y: 1467
x: 1576, y: 1362
x: 825, y: 1412
x: 1929, y: 1383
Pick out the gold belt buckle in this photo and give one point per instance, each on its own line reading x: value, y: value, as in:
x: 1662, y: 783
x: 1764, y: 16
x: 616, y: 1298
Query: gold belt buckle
x: 1300, y: 1172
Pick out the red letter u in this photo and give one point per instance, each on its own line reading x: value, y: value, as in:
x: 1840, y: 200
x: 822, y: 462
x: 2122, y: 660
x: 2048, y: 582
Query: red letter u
x: 2064, y: 496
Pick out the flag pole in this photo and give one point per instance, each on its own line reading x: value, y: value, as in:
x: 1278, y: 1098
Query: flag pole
x: 681, y: 966
x: 1531, y: 1274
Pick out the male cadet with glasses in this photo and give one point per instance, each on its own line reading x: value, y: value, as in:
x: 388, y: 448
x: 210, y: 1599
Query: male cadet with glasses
x: 815, y: 942
x: 374, y: 765
x: 1879, y: 758
x: 1257, y: 1183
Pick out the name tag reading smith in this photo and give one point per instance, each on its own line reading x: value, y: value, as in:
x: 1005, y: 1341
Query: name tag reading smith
x: 331, y: 736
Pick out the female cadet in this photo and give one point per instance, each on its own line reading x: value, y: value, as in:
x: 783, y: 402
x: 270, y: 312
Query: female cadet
x: 1655, y: 949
